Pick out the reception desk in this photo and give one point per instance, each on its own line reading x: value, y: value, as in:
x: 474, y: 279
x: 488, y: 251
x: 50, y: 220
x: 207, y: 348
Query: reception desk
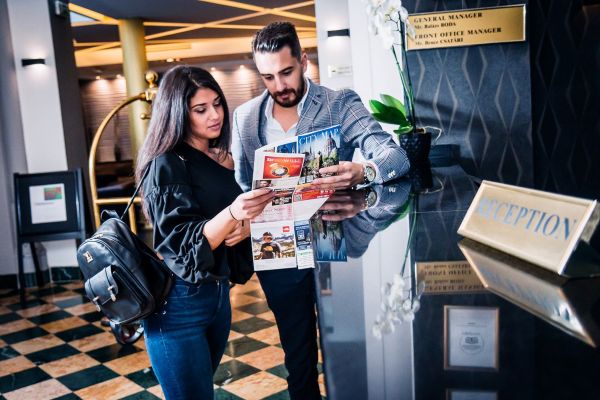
x: 410, y: 310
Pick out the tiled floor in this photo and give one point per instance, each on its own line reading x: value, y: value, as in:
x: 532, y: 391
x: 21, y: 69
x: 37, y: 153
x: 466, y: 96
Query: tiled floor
x: 54, y: 347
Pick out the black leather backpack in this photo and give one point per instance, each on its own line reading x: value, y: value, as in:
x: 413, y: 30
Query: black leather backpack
x: 123, y: 277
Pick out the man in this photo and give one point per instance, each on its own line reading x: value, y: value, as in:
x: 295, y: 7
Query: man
x: 293, y: 105
x: 269, y: 249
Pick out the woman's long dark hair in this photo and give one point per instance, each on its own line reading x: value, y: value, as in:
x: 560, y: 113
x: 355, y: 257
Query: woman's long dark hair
x: 170, y: 114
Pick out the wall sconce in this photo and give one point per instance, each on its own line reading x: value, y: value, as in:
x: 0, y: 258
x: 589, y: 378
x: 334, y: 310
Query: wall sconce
x: 338, y: 32
x: 32, y: 61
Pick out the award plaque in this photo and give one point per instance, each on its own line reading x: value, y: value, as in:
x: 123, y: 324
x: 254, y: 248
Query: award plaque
x: 471, y: 337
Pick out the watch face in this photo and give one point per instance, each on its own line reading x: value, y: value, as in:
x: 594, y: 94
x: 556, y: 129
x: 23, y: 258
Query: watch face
x: 370, y: 173
x: 371, y: 198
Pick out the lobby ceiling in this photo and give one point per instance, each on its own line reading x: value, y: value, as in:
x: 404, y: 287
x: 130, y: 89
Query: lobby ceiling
x: 182, y: 28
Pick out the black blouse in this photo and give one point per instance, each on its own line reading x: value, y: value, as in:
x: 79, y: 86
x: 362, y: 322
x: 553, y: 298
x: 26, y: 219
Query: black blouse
x: 183, y: 190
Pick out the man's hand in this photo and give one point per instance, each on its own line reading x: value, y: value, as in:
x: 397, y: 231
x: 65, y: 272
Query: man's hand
x: 241, y: 232
x: 346, y: 204
x: 347, y: 175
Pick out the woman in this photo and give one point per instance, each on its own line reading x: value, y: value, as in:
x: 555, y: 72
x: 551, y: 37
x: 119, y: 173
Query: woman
x: 191, y: 197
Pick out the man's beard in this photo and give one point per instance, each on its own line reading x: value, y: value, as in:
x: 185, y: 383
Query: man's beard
x: 293, y: 102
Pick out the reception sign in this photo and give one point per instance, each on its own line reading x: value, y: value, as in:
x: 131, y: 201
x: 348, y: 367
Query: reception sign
x: 542, y: 228
x: 467, y: 27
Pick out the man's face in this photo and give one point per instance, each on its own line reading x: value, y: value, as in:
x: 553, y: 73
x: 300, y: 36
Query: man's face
x: 282, y: 74
x: 267, y: 239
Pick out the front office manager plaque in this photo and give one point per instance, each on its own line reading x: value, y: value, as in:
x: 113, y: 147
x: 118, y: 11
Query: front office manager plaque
x: 540, y: 227
x: 467, y: 27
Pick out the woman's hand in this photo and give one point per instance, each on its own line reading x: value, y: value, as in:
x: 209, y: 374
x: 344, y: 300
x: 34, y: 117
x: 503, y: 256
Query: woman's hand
x: 250, y: 204
x: 241, y: 232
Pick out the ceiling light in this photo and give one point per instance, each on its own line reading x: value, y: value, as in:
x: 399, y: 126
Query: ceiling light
x: 242, y: 67
x: 119, y: 76
x: 213, y: 69
x: 97, y: 77
x: 170, y: 60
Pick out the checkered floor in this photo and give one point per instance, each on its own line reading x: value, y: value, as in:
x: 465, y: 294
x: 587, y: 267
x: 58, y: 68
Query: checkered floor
x: 54, y: 347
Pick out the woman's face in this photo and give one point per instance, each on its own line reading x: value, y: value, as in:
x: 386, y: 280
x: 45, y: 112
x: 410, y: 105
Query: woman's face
x: 206, y: 114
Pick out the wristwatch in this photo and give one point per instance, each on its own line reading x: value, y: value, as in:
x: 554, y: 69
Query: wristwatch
x: 370, y: 198
x: 369, y: 174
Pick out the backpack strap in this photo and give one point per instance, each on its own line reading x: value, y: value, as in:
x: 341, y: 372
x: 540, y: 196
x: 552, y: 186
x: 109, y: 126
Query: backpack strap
x: 137, y: 189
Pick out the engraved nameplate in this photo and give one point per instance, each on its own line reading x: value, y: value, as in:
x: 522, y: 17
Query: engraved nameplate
x: 467, y: 27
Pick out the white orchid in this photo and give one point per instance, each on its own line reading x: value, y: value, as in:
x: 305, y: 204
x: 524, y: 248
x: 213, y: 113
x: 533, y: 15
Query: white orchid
x: 385, y: 17
x: 399, y: 304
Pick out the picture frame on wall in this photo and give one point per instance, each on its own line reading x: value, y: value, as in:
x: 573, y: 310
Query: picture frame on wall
x: 468, y: 394
x: 49, y: 203
x: 471, y: 338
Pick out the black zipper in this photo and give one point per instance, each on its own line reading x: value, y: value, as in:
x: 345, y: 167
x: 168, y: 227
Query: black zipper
x: 133, y: 292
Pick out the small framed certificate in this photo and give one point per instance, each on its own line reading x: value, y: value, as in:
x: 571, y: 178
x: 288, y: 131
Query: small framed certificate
x: 464, y: 394
x: 471, y: 337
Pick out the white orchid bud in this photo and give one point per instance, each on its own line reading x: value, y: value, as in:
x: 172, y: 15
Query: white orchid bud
x: 409, y: 316
x: 403, y: 14
x: 411, y: 31
x: 376, y: 330
x: 416, y: 306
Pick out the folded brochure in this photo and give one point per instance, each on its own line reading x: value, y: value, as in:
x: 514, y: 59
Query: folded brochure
x: 281, y: 233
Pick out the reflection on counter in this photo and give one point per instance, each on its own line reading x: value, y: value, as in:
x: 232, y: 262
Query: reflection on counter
x: 399, y: 303
x: 445, y: 277
x: 572, y: 305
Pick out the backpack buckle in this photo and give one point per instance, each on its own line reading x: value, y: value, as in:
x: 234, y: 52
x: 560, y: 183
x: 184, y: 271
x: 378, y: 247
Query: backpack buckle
x: 113, y: 296
x: 95, y: 301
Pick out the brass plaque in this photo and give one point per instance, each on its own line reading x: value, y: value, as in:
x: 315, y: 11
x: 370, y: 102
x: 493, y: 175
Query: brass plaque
x: 540, y: 227
x: 444, y: 277
x: 467, y: 27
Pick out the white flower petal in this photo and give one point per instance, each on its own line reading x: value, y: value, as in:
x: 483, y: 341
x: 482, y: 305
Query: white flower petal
x: 403, y: 14
x: 411, y: 31
x: 376, y: 330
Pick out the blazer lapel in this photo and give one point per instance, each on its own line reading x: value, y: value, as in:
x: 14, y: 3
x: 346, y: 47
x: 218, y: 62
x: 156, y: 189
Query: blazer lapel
x: 312, y: 106
x: 254, y: 134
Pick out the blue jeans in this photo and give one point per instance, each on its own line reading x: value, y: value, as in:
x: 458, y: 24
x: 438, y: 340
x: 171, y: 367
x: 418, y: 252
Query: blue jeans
x: 186, y: 338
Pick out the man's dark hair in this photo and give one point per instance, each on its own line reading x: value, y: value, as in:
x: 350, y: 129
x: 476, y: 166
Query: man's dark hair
x: 275, y: 37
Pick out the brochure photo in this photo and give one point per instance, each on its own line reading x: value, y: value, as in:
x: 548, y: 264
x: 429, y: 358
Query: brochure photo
x: 329, y: 240
x: 273, y: 245
x: 320, y: 149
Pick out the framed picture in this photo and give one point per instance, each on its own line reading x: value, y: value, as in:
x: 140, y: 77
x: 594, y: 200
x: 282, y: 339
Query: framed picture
x: 471, y: 337
x: 467, y: 394
x: 49, y: 203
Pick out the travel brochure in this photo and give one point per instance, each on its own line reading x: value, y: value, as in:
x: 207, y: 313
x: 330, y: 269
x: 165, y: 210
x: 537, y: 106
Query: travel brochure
x: 281, y: 235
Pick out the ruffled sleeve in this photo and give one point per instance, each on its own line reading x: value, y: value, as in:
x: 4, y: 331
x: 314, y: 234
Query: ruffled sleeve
x: 178, y: 221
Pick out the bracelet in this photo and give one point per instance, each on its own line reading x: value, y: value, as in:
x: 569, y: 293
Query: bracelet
x: 231, y: 213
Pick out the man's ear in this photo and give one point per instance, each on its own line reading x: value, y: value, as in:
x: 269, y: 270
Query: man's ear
x: 304, y: 61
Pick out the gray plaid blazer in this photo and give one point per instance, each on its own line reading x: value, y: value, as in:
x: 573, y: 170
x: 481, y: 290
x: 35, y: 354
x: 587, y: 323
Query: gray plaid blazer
x: 323, y: 108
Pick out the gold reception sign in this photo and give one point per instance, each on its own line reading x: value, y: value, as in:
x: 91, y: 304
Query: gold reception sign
x: 542, y: 228
x: 467, y: 27
x: 444, y: 277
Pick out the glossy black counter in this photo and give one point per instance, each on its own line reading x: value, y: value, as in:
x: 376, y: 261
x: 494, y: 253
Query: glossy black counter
x: 404, y: 315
